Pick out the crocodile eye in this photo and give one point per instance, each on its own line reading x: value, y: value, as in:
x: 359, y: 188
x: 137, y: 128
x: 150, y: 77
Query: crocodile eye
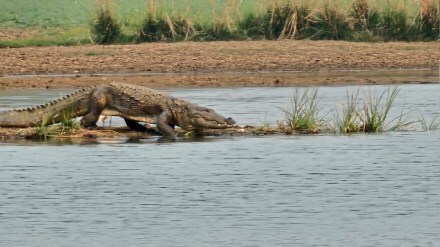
x: 202, y: 109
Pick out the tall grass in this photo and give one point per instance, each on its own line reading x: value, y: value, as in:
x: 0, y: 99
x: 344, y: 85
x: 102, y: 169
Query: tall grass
x: 348, y: 121
x: 370, y: 114
x: 367, y: 114
x: 206, y: 20
x: 362, y: 112
x: 166, y: 29
x: 104, y: 27
x: 374, y: 112
x: 160, y: 26
x: 42, y: 132
x: 434, y: 124
x: 359, y: 20
x: 304, y: 113
x: 68, y: 123
x: 221, y: 23
x: 427, y: 21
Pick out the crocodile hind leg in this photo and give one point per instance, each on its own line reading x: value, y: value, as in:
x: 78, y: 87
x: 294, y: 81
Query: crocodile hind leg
x: 97, y: 104
x: 134, y: 125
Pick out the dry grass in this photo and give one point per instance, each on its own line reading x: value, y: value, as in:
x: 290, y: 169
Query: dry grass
x: 359, y: 20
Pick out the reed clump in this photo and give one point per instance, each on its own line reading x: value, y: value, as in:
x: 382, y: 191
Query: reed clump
x: 104, y: 27
x: 370, y: 114
x: 393, y: 24
x: 429, y: 125
x: 348, y: 120
x: 328, y: 23
x: 159, y: 26
x: 304, y: 113
x: 68, y: 124
x: 362, y: 112
x: 221, y: 24
x: 42, y: 132
x: 374, y: 110
x: 427, y: 22
x: 166, y: 29
x: 286, y: 21
x: 358, y: 20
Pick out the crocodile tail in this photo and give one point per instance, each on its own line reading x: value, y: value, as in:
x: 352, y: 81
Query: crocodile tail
x: 67, y: 107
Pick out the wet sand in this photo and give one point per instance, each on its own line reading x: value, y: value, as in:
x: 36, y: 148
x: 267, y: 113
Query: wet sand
x: 217, y: 64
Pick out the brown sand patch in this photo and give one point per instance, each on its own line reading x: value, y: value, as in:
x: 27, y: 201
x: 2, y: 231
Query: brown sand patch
x: 241, y: 63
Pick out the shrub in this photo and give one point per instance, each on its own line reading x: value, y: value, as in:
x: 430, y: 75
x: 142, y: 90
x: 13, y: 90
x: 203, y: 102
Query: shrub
x: 428, y: 20
x: 280, y: 22
x: 392, y: 25
x: 328, y: 23
x: 253, y: 26
x: 216, y: 32
x: 104, y: 27
x: 166, y: 29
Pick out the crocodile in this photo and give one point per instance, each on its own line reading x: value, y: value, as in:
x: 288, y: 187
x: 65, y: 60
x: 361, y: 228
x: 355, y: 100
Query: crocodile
x: 133, y: 103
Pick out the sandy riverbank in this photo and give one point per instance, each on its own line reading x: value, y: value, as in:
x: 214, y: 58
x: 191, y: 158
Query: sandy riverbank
x: 241, y: 63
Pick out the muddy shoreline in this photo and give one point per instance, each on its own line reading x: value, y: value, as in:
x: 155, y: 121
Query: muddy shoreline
x: 221, y: 64
x: 56, y: 133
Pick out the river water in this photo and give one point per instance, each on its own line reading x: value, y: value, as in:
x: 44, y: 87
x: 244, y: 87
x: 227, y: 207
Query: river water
x: 304, y: 190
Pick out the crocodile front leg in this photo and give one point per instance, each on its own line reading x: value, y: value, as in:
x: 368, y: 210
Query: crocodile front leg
x: 166, y: 125
x: 97, y: 104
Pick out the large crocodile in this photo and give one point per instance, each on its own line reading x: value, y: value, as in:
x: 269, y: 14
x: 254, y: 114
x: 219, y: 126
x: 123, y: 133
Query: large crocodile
x: 133, y: 103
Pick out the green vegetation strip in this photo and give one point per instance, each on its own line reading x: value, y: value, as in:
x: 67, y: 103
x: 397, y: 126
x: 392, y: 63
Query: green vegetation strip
x: 136, y: 21
x: 369, y: 114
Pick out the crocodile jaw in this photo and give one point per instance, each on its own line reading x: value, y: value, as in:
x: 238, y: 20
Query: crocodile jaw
x: 213, y: 124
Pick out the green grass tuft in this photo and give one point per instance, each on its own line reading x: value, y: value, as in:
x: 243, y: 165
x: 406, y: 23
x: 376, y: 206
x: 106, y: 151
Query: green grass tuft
x: 370, y: 114
x: 432, y: 125
x: 348, y: 121
x: 303, y: 115
x: 166, y: 29
x: 202, y: 20
x: 427, y: 21
x: 328, y: 23
x: 68, y: 125
x: 42, y: 132
x: 265, y: 124
x: 216, y: 32
x: 375, y: 110
x: 104, y: 28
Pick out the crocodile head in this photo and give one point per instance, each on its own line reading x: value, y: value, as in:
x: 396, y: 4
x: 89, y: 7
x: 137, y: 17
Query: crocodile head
x: 191, y: 116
